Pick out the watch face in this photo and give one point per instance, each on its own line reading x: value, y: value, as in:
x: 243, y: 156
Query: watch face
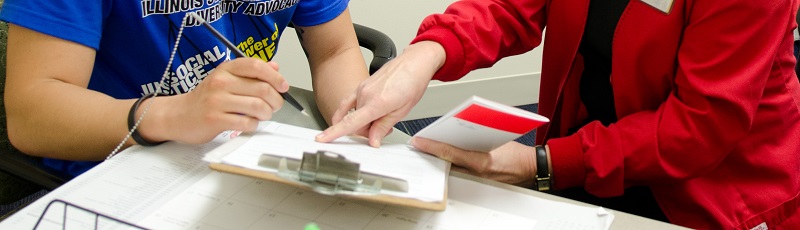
x: 542, y: 184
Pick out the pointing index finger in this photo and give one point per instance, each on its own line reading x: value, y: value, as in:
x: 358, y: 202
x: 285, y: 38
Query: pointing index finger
x: 349, y: 124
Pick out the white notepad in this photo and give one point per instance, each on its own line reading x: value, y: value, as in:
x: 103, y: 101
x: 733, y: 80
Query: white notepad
x: 479, y: 124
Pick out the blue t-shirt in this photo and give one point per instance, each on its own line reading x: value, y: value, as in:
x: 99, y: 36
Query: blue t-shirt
x: 134, y: 38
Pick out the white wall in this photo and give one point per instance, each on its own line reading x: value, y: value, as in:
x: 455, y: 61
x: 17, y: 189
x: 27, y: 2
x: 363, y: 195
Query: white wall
x: 513, y: 81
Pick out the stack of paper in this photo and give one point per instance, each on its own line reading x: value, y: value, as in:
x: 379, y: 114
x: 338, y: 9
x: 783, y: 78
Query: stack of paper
x: 479, y: 124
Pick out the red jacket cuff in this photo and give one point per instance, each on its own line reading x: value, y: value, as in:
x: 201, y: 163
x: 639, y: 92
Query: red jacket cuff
x: 566, y: 155
x: 453, y: 65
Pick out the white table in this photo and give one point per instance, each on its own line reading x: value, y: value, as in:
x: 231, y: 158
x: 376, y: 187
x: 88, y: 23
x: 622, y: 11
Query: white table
x: 168, y: 187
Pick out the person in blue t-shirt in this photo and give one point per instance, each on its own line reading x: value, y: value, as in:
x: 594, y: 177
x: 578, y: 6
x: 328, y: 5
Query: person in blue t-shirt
x: 76, y: 68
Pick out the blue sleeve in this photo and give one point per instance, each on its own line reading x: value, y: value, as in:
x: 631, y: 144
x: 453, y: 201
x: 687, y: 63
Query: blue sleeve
x: 77, y: 21
x: 315, y: 12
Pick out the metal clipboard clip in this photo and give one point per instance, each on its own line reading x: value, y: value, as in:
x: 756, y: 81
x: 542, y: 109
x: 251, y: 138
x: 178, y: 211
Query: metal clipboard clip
x: 331, y: 173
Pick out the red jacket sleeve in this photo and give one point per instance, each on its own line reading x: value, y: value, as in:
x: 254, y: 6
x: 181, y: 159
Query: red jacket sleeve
x: 728, y: 51
x: 476, y: 34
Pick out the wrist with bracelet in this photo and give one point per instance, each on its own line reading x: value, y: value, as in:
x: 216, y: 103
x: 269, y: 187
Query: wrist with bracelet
x: 543, y: 177
x: 133, y: 124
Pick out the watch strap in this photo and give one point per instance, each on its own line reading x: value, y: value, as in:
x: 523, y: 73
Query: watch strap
x: 542, y: 178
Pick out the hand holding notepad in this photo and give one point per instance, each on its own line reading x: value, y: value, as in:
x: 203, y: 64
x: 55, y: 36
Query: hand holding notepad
x: 482, y: 125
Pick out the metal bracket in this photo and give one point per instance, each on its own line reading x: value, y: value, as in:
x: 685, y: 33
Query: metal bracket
x: 331, y: 173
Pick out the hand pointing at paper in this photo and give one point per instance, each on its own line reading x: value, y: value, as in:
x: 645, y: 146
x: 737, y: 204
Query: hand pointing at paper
x: 385, y: 98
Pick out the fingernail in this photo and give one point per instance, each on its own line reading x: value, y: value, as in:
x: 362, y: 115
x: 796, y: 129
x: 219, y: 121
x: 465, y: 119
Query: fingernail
x: 320, y: 136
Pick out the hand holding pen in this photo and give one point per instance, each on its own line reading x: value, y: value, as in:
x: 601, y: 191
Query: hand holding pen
x: 239, y: 54
x: 237, y: 95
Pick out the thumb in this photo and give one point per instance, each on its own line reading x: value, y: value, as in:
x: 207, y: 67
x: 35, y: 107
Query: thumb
x: 379, y: 129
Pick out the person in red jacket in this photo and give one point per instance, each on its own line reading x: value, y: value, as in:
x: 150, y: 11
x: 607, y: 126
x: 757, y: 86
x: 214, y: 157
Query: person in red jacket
x: 695, y: 100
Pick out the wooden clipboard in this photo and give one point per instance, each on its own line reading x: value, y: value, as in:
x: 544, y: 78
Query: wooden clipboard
x: 214, y: 158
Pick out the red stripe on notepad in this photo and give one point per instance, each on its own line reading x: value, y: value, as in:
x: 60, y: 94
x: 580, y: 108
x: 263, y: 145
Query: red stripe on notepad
x: 498, y: 120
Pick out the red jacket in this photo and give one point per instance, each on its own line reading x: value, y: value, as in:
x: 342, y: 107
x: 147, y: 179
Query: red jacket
x: 707, y: 100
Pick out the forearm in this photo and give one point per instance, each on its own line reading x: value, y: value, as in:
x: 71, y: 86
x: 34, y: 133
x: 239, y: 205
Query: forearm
x: 336, y: 78
x: 64, y: 121
x: 334, y: 56
x: 50, y: 113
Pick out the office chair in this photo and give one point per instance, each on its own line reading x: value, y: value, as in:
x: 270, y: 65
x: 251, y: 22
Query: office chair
x: 30, y: 168
x: 382, y: 47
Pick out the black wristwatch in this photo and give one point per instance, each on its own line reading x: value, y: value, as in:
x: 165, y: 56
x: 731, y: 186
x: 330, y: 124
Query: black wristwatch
x: 542, y: 171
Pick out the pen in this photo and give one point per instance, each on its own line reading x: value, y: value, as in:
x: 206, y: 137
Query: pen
x: 238, y: 53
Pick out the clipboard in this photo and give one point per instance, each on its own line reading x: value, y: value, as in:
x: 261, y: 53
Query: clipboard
x: 324, y: 171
